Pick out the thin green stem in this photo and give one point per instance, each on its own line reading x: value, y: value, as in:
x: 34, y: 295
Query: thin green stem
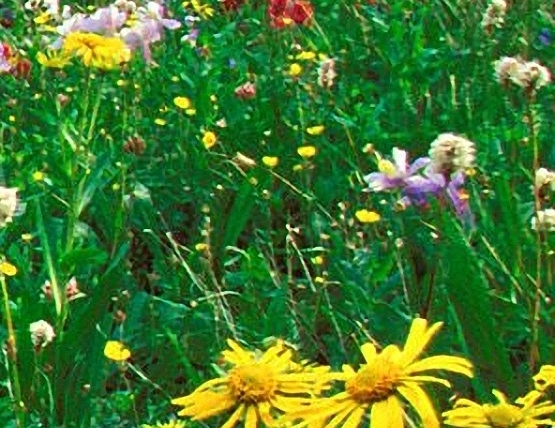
x: 12, y: 356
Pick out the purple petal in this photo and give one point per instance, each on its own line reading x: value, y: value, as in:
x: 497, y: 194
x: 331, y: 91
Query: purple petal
x: 378, y: 181
x: 418, y: 164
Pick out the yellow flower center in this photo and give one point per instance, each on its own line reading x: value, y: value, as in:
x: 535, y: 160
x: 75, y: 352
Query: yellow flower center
x: 386, y: 167
x: 503, y: 415
x: 374, y: 383
x: 253, y: 383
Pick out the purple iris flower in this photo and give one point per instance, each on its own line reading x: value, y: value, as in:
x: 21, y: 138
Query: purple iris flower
x: 394, y: 174
x: 418, y: 182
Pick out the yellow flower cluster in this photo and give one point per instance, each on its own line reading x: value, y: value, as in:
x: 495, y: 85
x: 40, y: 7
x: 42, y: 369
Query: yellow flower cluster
x: 270, y: 389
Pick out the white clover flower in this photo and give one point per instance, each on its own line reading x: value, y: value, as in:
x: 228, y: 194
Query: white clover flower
x: 544, y: 220
x: 529, y: 75
x: 494, y: 16
x: 544, y: 177
x: 452, y: 153
x: 42, y: 333
x: 8, y: 205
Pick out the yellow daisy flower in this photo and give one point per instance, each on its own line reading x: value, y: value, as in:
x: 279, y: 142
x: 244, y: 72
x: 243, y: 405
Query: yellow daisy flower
x: 257, y: 388
x: 52, y: 60
x: 380, y: 386
x: 96, y: 50
x: 170, y: 424
x: 527, y: 413
x: 545, y: 378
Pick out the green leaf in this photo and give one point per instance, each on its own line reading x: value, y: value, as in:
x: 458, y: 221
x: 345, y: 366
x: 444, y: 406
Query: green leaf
x: 468, y: 293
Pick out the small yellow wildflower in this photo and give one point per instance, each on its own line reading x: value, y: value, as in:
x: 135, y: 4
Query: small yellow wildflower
x: 306, y: 55
x: 182, y: 102
x: 191, y: 111
x: 209, y: 139
x: 11, y: 118
x: 315, y: 130
x: 116, y: 351
x: 318, y: 260
x: 365, y: 216
x: 545, y: 378
x: 160, y: 122
x: 204, y: 11
x: 6, y: 268
x: 170, y: 424
x: 307, y: 152
x: 270, y: 161
x: 52, y: 60
x: 26, y: 237
x: 295, y: 69
x: 525, y: 413
x: 38, y: 176
x: 42, y: 19
x: 201, y: 247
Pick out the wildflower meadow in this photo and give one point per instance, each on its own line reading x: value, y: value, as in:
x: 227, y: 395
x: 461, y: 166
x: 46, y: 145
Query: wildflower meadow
x: 277, y: 213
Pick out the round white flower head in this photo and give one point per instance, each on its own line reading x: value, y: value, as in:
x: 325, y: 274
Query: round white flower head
x: 544, y: 177
x: 544, y: 220
x: 8, y: 205
x: 451, y: 153
x: 529, y: 75
x: 494, y: 16
x: 42, y: 333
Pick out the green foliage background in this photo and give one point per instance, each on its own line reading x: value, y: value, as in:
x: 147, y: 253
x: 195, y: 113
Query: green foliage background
x: 407, y: 71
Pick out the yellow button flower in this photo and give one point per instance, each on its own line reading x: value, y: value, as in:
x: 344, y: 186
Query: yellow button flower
x: 116, y: 351
x: 182, y: 102
x: 307, y: 152
x: 365, y: 216
x: 38, y: 176
x: 315, y: 130
x: 270, y: 161
x: 209, y: 139
x: 306, y: 55
x: 8, y: 269
x: 295, y: 69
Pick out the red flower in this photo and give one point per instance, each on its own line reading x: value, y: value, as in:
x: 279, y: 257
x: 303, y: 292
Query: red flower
x: 232, y: 4
x: 21, y: 69
x: 298, y: 11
